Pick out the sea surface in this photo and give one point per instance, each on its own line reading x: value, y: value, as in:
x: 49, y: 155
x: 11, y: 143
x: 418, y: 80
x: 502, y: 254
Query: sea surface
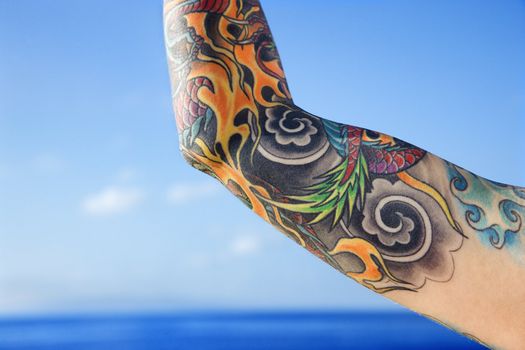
x: 230, y: 331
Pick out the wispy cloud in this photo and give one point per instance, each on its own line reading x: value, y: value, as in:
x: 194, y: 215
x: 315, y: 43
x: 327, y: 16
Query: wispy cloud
x: 239, y: 247
x: 111, y: 200
x: 183, y: 192
x: 245, y: 245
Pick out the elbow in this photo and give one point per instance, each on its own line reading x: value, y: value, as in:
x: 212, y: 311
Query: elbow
x: 198, y: 149
x: 192, y: 121
x: 195, y: 159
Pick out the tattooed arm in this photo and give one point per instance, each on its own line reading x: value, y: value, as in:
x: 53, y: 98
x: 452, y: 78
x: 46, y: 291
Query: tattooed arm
x: 395, y: 218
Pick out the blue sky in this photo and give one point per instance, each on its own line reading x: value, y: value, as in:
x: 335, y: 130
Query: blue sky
x: 95, y: 205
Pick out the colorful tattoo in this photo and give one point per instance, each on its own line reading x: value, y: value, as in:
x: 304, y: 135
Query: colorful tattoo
x: 373, y: 206
x: 496, y: 212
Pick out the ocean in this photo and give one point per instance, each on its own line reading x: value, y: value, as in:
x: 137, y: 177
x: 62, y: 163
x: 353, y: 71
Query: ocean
x: 230, y: 331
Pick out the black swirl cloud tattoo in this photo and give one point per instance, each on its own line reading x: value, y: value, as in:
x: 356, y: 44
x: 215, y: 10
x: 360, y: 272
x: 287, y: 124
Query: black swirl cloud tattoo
x: 410, y: 231
x: 290, y: 127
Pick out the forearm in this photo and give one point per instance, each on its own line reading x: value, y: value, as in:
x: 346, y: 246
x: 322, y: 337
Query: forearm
x: 386, y: 213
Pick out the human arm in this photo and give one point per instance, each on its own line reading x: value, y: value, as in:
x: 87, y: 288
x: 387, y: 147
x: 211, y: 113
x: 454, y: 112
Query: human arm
x: 384, y: 212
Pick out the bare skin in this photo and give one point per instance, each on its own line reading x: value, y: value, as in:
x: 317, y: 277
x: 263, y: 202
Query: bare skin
x: 397, y: 219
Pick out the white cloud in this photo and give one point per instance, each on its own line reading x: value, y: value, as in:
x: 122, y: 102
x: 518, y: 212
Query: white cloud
x: 239, y: 247
x: 112, y: 200
x: 183, y: 192
x: 245, y: 245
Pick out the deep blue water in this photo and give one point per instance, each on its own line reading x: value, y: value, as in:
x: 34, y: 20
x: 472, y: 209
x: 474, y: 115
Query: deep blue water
x: 231, y: 331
